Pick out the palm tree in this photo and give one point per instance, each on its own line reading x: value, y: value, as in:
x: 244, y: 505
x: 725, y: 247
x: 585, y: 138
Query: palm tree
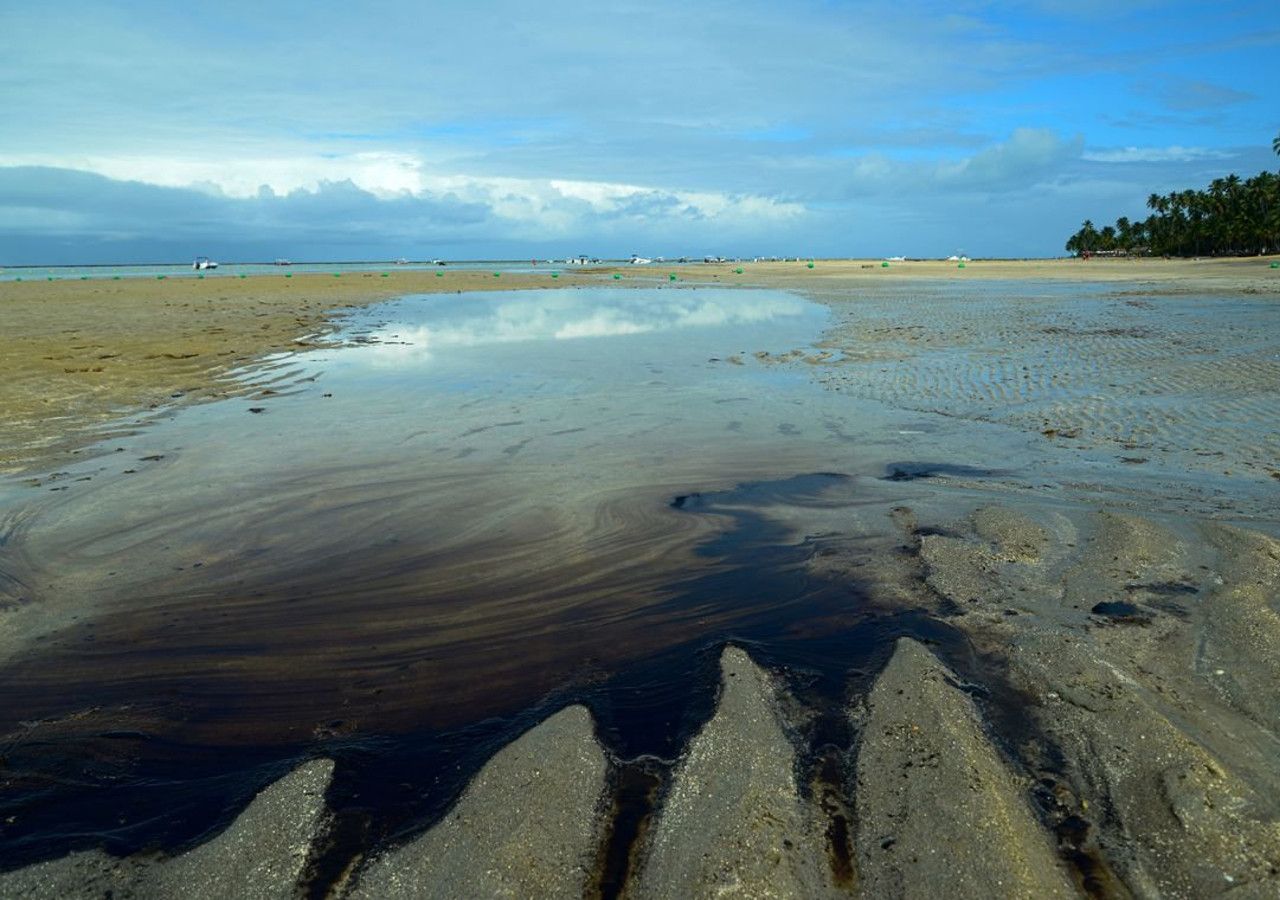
x: 1124, y: 233
x: 1083, y: 241
x: 1229, y: 216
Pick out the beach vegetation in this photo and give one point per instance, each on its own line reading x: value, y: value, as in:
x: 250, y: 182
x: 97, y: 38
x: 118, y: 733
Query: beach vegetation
x: 1231, y: 217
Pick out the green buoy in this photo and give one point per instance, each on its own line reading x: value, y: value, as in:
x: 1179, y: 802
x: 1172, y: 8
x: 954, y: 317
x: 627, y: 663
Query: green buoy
x: 617, y: 277
x: 810, y: 264
x: 960, y: 266
x: 51, y: 278
x: 242, y: 275
x: 439, y: 274
x: 384, y: 275
x: 738, y: 270
x: 497, y: 274
x: 884, y: 265
x: 201, y: 277
x: 161, y: 277
x: 84, y: 277
x: 555, y: 274
x: 288, y: 274
x: 1275, y: 265
x: 337, y: 274
x: 115, y: 277
x: 672, y: 276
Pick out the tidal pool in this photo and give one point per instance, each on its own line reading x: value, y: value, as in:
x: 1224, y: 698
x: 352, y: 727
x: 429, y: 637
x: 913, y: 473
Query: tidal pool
x: 404, y: 545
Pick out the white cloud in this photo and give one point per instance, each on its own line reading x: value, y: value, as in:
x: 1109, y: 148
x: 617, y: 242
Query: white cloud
x: 1030, y: 156
x: 1153, y: 154
x: 1029, y: 153
x: 550, y: 205
x: 383, y: 174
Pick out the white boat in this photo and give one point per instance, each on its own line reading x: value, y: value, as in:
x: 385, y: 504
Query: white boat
x: 203, y: 262
x: 639, y: 260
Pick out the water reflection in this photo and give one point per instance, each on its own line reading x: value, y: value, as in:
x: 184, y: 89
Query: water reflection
x: 427, y: 325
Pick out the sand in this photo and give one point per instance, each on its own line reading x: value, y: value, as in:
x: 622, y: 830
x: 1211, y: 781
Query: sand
x: 1153, y: 746
x: 732, y: 824
x: 1183, y: 384
x: 938, y: 811
x: 526, y: 826
x: 1228, y: 274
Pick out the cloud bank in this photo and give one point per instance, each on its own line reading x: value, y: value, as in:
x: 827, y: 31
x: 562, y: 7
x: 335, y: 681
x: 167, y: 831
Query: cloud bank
x: 324, y: 130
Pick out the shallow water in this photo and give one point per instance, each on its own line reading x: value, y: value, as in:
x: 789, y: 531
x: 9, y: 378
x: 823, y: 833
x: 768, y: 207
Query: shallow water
x: 482, y: 506
x: 461, y: 512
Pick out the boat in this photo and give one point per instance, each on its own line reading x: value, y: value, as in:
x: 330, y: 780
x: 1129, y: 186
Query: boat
x: 639, y: 260
x: 283, y: 262
x: 203, y: 262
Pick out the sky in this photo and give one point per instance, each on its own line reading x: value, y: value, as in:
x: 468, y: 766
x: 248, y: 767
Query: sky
x: 153, y: 132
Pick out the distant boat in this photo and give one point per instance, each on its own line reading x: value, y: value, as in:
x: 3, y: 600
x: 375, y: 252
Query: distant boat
x: 402, y: 261
x: 203, y: 262
x: 283, y: 262
x: 639, y: 260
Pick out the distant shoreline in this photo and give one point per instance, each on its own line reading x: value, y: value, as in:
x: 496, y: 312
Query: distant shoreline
x: 551, y: 263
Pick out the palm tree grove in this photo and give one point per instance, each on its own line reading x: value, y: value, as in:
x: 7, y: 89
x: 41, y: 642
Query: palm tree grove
x: 1232, y: 217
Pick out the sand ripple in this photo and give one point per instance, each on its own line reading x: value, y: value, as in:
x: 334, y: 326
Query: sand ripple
x: 1195, y: 378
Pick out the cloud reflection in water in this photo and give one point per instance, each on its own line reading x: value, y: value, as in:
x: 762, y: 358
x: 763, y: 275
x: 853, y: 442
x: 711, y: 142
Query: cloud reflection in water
x: 444, y: 323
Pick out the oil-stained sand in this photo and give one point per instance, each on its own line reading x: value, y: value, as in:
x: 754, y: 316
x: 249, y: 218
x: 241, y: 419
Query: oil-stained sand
x: 293, y: 579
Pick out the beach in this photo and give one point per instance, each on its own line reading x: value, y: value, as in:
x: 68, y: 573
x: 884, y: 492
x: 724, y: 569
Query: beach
x: 642, y: 586
x: 80, y: 353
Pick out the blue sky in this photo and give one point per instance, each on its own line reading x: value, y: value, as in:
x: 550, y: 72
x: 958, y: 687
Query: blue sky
x: 156, y: 131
